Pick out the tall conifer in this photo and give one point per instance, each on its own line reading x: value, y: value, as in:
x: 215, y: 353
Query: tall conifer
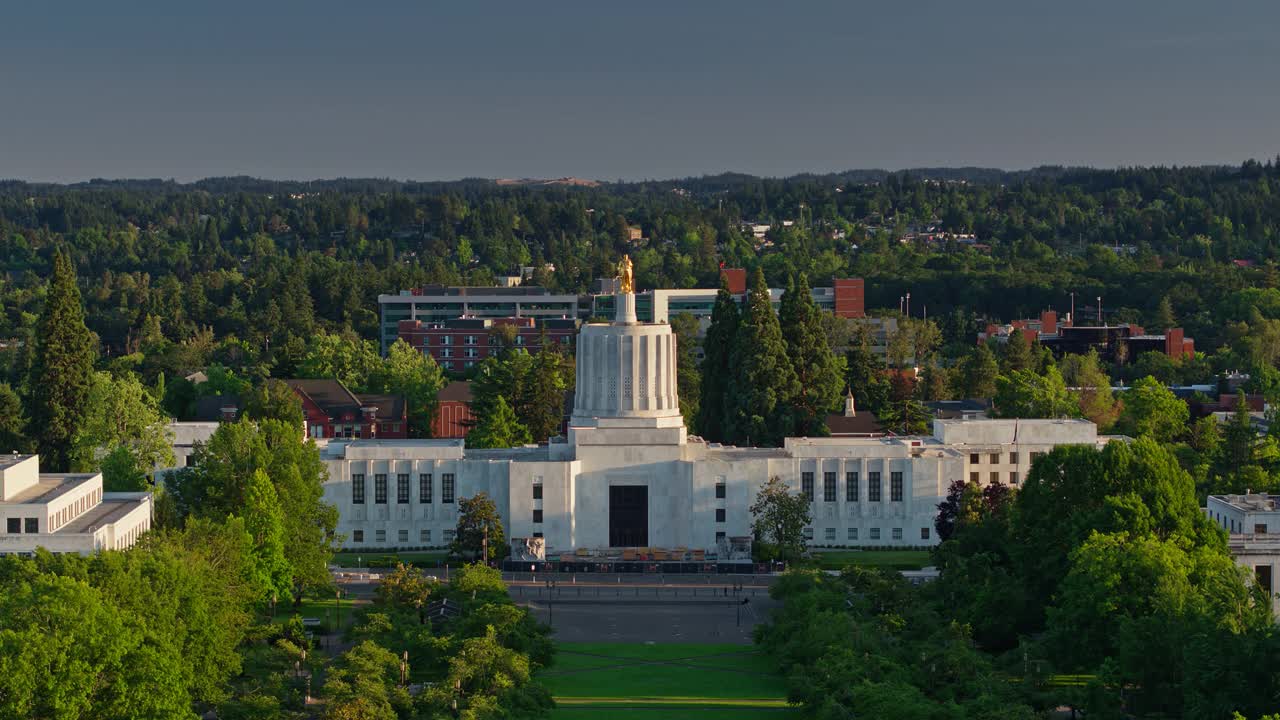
x: 717, y: 347
x: 62, y: 369
x: 816, y: 368
x: 764, y: 384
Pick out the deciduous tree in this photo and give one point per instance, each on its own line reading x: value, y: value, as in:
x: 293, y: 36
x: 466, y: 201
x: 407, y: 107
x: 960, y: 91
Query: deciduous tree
x: 479, y: 526
x: 779, y: 518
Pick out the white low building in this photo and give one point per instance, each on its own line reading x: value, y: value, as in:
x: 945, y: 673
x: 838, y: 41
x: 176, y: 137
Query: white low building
x: 1252, y: 522
x: 629, y: 476
x: 65, y: 512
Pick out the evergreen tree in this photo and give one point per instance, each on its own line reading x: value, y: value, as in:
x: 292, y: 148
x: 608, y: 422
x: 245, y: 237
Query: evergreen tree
x: 865, y: 374
x: 62, y: 371
x: 498, y: 428
x: 688, y: 377
x: 816, y: 368
x: 549, y: 379
x: 763, y: 381
x: 1163, y: 318
x: 934, y: 383
x: 1238, y: 449
x: 717, y: 348
x: 1017, y: 353
x: 13, y: 423
x: 978, y: 373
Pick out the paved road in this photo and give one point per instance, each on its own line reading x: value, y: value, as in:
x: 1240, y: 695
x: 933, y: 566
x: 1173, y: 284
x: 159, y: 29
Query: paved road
x: 635, y: 607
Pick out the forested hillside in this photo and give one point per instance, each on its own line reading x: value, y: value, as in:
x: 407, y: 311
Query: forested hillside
x: 264, y: 264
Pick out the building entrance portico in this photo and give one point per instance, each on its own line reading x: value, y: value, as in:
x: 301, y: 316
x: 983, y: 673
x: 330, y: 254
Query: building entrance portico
x: 628, y: 516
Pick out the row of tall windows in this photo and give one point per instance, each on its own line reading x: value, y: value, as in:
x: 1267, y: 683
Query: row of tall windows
x: 425, y: 495
x: 851, y: 489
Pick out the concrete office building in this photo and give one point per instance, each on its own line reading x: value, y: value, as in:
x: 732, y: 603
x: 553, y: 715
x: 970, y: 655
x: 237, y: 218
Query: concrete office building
x: 628, y: 475
x: 65, y: 512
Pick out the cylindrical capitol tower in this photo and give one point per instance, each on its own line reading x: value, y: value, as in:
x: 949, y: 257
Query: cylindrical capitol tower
x: 625, y: 369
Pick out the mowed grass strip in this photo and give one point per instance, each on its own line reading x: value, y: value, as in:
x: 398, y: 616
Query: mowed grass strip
x: 667, y: 675
x: 891, y: 559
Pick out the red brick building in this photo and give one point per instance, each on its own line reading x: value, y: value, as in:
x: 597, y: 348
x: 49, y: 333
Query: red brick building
x: 850, y: 298
x: 1124, y: 342
x: 333, y: 411
x: 463, y: 342
x: 453, y: 411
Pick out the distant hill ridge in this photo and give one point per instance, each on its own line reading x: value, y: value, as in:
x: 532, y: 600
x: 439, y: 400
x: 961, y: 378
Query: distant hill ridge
x: 705, y: 183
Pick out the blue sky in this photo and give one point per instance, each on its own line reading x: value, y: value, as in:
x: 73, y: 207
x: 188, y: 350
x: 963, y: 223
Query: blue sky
x: 622, y: 90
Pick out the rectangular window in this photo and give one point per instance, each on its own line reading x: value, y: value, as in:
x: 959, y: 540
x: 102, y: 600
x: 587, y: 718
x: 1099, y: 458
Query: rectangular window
x: 537, y: 534
x: 1260, y: 529
x: 14, y: 525
x: 537, y: 492
x: 1013, y: 458
x: 851, y: 487
x: 720, y: 491
x: 357, y: 536
x: 808, y: 533
x: 853, y: 533
x: 875, y: 533
x: 446, y: 488
x: 828, y: 487
x: 449, y: 535
x: 424, y: 488
x: 424, y: 535
x: 806, y: 485
x: 995, y: 478
x: 974, y: 459
x: 973, y: 477
x: 719, y: 536
x: 402, y: 488
x: 895, y: 487
x: 357, y: 489
x: 873, y: 487
x: 403, y: 536
x: 830, y: 534
x: 1013, y: 478
x: 1035, y: 455
x: 380, y: 489
x: 720, y: 513
x: 380, y: 536
x: 924, y: 533
x: 897, y: 533
x: 995, y: 458
x: 537, y: 516
x: 1263, y: 574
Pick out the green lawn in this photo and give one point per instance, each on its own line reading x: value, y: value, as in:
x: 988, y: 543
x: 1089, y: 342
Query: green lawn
x: 892, y: 559
x: 426, y: 558
x: 669, y: 681
x: 317, y: 608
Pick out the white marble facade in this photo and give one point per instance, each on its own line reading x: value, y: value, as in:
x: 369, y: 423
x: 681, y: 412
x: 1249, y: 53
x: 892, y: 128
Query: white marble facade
x: 626, y: 430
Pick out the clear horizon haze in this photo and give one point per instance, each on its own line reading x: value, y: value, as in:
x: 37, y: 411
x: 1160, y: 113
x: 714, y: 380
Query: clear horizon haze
x: 607, y: 91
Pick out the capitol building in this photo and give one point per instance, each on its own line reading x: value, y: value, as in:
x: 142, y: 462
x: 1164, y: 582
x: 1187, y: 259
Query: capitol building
x: 627, y: 475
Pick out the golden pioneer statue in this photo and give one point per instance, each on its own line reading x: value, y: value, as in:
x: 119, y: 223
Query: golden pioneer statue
x: 626, y: 282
